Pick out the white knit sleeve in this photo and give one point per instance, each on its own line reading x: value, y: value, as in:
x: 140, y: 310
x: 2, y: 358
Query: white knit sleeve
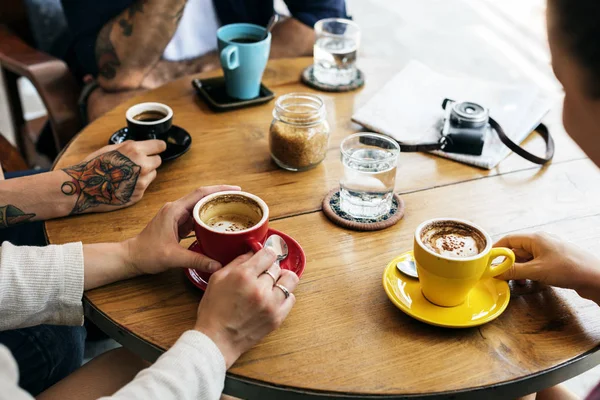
x: 41, y: 285
x: 193, y: 369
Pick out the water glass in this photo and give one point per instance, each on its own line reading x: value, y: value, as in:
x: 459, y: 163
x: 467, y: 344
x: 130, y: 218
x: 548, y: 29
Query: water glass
x: 367, y: 186
x: 335, y: 51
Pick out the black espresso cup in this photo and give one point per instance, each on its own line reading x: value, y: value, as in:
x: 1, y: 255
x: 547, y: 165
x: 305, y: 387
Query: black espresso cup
x: 149, y: 120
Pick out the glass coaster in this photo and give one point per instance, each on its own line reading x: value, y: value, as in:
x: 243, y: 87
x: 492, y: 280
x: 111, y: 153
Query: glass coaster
x: 308, y: 78
x: 331, y: 209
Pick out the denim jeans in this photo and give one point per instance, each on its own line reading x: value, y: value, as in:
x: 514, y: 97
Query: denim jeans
x: 46, y: 353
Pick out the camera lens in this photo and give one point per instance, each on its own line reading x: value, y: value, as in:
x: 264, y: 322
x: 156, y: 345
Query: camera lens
x: 469, y: 115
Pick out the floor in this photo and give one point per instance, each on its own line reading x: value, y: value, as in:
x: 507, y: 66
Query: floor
x: 490, y: 39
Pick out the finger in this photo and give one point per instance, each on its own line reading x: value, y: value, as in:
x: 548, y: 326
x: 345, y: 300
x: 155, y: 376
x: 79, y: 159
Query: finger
x: 287, y: 305
x: 521, y: 271
x: 185, y: 226
x: 519, y: 241
x: 288, y: 280
x: 146, y: 180
x: 105, y: 149
x: 184, y: 258
x: 151, y: 147
x: 261, y: 261
x: 241, y: 259
x: 270, y: 278
x: 151, y: 164
x: 188, y: 202
x: 522, y: 256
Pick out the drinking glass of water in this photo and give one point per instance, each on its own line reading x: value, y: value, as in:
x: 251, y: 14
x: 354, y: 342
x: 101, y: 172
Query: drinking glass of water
x: 367, y: 187
x: 335, y: 51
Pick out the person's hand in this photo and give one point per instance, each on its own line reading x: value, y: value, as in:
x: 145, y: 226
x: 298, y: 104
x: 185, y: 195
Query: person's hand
x: 113, y: 177
x: 157, y: 247
x: 547, y: 259
x: 242, y: 305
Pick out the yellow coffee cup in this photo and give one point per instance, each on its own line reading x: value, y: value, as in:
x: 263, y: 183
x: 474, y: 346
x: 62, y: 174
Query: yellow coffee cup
x: 451, y: 256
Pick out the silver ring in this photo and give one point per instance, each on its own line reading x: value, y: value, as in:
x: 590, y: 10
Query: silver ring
x: 284, y: 290
x: 271, y: 275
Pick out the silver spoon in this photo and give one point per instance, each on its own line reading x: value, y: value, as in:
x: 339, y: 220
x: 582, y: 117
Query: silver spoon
x: 279, y: 246
x: 408, y: 267
x: 274, y: 19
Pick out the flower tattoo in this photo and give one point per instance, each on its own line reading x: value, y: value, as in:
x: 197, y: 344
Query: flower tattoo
x: 108, y: 179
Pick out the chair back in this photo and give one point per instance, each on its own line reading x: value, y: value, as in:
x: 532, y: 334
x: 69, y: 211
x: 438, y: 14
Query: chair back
x: 13, y: 14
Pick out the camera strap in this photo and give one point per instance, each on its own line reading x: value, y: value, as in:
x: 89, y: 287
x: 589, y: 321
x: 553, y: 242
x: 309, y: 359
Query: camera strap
x: 445, y: 141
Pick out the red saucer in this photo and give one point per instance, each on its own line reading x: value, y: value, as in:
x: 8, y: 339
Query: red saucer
x: 295, y: 261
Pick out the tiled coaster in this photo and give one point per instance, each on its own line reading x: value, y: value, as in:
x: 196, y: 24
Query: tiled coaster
x: 331, y: 208
x: 308, y: 78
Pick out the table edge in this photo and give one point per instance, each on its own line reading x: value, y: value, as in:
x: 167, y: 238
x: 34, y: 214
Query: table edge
x: 236, y: 385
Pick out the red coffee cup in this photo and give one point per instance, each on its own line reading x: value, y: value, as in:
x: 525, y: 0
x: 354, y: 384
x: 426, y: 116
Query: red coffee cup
x: 229, y: 224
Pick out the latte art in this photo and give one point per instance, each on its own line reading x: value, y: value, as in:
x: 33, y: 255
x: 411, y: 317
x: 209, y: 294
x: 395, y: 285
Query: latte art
x: 453, y: 239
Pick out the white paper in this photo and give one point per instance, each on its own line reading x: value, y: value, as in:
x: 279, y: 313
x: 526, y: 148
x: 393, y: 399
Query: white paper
x: 409, y: 109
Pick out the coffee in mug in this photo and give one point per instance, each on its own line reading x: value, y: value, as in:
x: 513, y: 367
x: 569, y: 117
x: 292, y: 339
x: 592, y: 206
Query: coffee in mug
x: 150, y: 116
x: 245, y: 39
x: 452, y: 256
x: 231, y: 213
x: 229, y: 224
x: 149, y: 120
x: 453, y: 239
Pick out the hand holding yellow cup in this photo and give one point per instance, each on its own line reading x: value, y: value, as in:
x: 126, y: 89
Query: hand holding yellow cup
x: 451, y: 256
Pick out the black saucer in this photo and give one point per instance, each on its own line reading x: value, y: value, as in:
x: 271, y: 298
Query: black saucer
x: 178, y: 141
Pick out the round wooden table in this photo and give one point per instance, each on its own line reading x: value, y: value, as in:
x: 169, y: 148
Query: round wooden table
x: 344, y: 338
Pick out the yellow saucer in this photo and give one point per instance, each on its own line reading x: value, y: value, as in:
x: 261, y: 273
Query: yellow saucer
x: 486, y: 302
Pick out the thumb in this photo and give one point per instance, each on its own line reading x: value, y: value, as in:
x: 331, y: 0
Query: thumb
x: 184, y: 258
x: 520, y: 271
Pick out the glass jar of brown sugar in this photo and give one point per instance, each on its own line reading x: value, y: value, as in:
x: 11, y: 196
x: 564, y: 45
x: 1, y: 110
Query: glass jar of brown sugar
x: 299, y: 133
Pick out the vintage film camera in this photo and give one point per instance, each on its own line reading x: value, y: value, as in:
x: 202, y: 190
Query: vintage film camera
x: 465, y: 127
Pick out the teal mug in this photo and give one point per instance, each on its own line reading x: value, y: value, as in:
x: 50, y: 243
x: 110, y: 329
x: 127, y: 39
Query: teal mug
x: 244, y: 55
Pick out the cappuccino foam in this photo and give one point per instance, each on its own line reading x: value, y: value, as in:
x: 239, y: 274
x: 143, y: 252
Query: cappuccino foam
x: 453, y: 239
x: 230, y: 223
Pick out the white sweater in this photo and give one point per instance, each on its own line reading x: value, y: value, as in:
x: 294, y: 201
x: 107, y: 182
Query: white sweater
x: 44, y: 285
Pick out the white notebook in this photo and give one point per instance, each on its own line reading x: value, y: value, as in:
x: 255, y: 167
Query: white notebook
x: 409, y: 109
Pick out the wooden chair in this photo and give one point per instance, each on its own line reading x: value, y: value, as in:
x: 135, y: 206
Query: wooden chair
x: 50, y: 76
x: 10, y: 158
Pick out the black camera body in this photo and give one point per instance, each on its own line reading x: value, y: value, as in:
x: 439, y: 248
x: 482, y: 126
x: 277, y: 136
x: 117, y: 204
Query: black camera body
x: 465, y: 127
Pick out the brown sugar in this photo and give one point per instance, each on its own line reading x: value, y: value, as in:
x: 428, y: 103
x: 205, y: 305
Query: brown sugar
x: 298, y: 147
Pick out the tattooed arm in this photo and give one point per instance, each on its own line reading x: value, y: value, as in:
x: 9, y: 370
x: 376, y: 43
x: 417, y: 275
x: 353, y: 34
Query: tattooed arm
x: 131, y: 44
x: 113, y: 177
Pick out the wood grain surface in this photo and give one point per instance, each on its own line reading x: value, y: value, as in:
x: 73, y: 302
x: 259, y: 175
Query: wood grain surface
x: 344, y: 335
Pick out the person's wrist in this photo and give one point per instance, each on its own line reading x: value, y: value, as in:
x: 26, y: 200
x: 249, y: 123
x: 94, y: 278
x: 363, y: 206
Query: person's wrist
x: 225, y: 345
x: 130, y: 258
x: 65, y: 205
x: 587, y: 281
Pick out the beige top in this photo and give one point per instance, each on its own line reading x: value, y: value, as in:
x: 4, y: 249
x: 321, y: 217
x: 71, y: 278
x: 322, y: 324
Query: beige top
x: 44, y: 285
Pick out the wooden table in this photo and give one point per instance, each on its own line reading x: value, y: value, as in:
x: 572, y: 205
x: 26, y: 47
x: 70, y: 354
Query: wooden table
x: 344, y: 337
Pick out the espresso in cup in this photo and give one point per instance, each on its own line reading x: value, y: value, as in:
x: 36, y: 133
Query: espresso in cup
x: 229, y: 224
x: 452, y: 256
x: 453, y: 239
x: 149, y: 120
x: 150, y: 116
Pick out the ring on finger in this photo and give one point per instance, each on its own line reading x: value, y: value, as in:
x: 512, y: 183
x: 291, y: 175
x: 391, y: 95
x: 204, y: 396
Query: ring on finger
x: 285, y: 291
x: 271, y: 275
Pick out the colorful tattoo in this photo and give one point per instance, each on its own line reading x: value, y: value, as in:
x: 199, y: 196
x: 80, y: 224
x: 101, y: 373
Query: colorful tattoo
x: 11, y: 216
x: 108, y: 179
